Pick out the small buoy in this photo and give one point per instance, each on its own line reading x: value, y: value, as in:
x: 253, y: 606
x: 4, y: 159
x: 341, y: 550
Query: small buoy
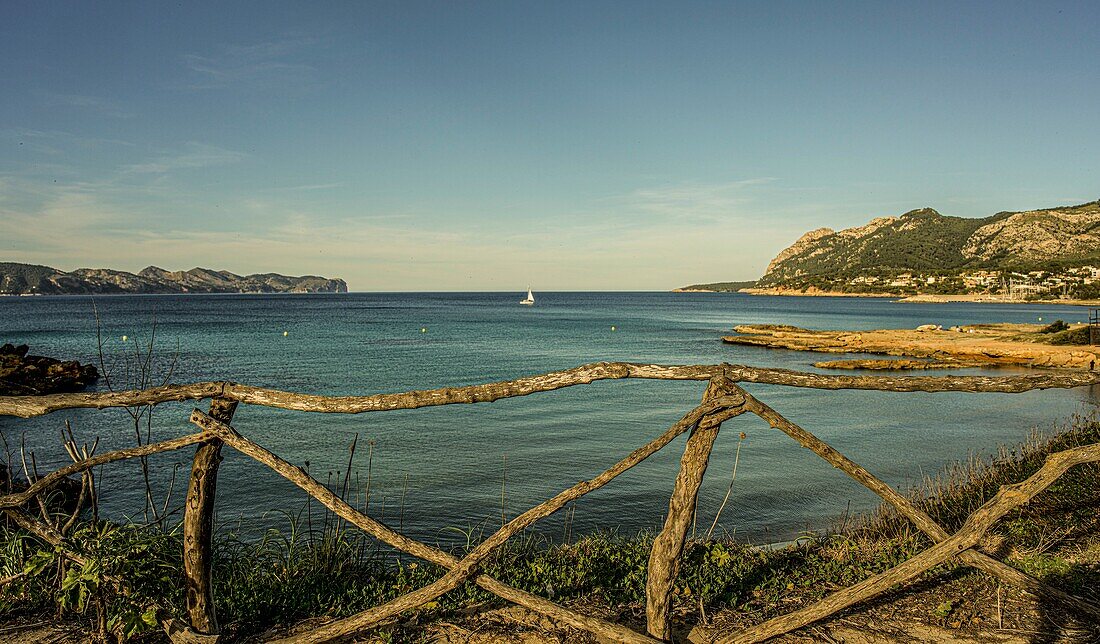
x: 124, y: 338
x: 1040, y: 318
x: 423, y: 329
x: 286, y: 333
x: 612, y: 327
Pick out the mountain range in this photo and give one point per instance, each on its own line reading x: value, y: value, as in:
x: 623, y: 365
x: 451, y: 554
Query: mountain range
x: 32, y: 279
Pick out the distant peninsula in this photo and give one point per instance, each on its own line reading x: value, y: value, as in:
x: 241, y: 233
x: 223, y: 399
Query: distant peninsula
x: 1047, y: 254
x: 32, y: 279
x: 716, y: 287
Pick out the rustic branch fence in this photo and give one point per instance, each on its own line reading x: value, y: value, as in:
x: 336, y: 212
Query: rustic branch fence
x: 722, y: 400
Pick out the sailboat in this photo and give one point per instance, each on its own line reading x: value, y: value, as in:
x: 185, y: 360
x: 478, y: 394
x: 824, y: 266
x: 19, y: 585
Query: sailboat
x: 530, y: 301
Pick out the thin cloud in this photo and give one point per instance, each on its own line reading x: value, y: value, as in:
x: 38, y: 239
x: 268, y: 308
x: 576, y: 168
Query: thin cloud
x: 34, y: 235
x: 315, y: 186
x: 58, y: 137
x: 193, y: 155
x: 691, y: 202
x: 103, y: 106
x: 109, y: 224
x: 266, y: 64
x: 375, y: 252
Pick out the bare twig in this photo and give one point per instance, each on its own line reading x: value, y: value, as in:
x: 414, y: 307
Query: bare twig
x: 729, y: 490
x: 47, y: 482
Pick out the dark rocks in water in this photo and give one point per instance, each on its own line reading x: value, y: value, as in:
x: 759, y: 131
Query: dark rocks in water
x: 22, y: 374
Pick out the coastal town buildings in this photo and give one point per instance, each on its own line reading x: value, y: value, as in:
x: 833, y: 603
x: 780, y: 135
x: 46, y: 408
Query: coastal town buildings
x: 1065, y: 283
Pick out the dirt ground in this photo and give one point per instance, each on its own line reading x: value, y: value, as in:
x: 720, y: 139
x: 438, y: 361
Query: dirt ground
x: 980, y: 613
x: 955, y: 606
x: 911, y: 617
x: 43, y: 633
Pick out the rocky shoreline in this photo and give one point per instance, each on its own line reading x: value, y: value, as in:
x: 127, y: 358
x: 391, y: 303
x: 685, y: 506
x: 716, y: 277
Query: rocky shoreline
x: 983, y: 345
x: 896, y: 364
x: 920, y: 298
x: 22, y: 374
x: 811, y: 292
x: 937, y: 298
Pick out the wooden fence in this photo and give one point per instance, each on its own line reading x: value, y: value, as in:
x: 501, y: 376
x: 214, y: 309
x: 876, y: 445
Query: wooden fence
x: 722, y: 400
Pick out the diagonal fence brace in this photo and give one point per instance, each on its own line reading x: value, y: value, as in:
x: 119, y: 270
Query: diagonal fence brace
x: 959, y: 544
x: 906, y: 508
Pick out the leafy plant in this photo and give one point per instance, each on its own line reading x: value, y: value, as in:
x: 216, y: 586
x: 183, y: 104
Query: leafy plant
x: 119, y: 578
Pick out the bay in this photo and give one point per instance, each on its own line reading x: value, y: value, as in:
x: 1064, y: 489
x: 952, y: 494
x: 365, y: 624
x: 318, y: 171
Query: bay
x: 438, y: 473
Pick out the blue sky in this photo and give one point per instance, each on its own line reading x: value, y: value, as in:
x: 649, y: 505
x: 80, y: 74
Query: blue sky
x: 488, y: 146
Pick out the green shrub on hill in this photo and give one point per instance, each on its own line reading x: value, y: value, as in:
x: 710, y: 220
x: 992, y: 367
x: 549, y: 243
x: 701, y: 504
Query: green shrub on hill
x: 1080, y: 335
x: 1055, y: 327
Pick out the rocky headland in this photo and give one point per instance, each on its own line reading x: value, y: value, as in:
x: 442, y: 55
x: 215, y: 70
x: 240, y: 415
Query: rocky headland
x: 22, y: 374
x: 31, y: 279
x: 1046, y: 254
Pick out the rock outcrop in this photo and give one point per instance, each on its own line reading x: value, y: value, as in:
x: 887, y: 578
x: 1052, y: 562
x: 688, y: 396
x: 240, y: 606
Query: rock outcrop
x: 22, y: 374
x: 806, y: 242
x: 1038, y: 234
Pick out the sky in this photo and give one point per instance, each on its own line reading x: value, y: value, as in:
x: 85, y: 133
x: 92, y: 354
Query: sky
x: 469, y: 146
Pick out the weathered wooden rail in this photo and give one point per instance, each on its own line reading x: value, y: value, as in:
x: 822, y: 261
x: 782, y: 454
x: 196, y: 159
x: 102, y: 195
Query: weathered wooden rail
x: 723, y: 399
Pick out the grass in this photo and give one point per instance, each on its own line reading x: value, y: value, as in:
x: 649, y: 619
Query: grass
x: 1057, y: 333
x: 292, y: 574
x: 1077, y: 335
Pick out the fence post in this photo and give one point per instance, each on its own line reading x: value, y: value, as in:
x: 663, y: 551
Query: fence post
x: 664, y: 559
x: 198, y: 525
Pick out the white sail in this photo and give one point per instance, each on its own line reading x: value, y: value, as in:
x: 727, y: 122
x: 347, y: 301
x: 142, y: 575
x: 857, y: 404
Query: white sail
x: 530, y: 298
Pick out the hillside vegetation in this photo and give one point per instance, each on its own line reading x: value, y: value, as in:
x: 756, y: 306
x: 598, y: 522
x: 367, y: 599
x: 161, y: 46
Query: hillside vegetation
x: 927, y: 242
x: 719, y: 287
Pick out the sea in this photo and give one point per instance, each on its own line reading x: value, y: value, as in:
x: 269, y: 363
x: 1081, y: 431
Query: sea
x: 447, y: 474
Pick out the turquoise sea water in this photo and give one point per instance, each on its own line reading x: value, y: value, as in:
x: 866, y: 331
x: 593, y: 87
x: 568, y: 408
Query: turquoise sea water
x: 449, y: 463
